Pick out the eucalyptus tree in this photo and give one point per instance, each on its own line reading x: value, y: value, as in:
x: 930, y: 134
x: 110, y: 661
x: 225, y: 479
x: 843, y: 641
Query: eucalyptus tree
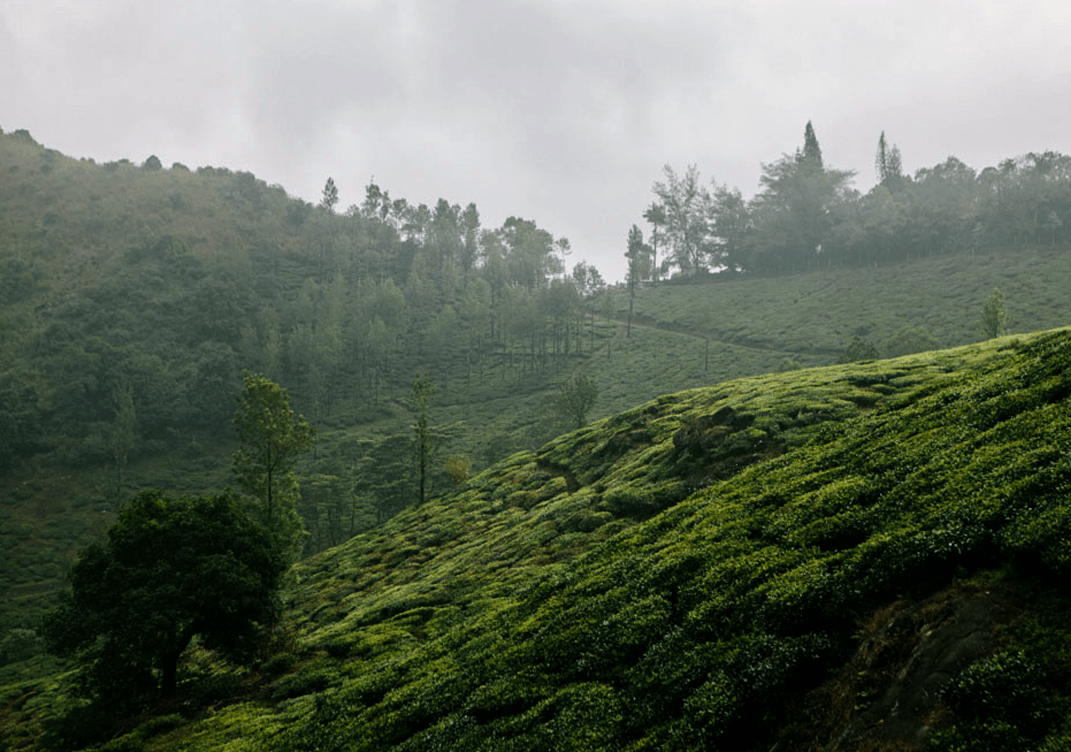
x: 685, y: 203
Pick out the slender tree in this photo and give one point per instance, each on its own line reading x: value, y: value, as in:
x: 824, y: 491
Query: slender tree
x: 423, y: 391
x: 656, y: 217
x: 271, y: 441
x: 887, y: 164
x: 812, y: 152
x: 635, y: 255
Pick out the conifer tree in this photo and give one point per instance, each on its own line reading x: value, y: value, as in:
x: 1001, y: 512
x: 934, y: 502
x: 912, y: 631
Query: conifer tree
x: 330, y: 196
x: 887, y: 163
x: 812, y: 152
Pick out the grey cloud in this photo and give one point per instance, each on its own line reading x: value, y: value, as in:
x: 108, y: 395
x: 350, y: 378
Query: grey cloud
x: 561, y: 111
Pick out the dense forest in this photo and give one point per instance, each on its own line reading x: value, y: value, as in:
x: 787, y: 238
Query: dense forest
x: 135, y: 296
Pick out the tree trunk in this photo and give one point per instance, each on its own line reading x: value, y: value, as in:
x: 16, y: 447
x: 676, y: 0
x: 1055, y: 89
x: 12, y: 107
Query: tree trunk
x: 169, y: 665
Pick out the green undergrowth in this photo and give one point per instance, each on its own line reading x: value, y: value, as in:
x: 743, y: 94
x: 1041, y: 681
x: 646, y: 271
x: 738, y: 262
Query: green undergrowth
x: 673, y: 577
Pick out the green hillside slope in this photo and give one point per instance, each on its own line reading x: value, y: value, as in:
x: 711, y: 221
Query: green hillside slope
x: 866, y: 556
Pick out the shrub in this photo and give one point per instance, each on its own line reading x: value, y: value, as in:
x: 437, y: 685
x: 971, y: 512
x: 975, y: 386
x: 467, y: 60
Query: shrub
x: 910, y: 339
x: 999, y: 704
x: 859, y: 349
x: 994, y: 315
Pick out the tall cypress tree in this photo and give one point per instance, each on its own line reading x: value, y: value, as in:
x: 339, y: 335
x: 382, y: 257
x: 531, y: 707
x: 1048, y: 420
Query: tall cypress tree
x: 812, y: 152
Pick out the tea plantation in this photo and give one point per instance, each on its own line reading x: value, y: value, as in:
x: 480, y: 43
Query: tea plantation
x: 778, y: 562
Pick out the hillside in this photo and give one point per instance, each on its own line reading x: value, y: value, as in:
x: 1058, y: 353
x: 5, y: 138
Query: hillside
x: 864, y: 556
x: 160, y: 286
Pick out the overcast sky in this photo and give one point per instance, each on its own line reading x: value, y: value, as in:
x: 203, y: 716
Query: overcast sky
x: 560, y: 111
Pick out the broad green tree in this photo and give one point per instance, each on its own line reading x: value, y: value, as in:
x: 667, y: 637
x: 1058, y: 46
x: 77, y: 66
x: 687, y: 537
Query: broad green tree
x: 170, y: 569
x: 794, y: 213
x: 272, y: 439
x: 729, y: 225
x: 576, y: 397
x: 685, y: 204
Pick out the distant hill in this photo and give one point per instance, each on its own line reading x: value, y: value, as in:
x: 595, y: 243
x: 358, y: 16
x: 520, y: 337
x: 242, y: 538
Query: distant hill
x: 862, y: 556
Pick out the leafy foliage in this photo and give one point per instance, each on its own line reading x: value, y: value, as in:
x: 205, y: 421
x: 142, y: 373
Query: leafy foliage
x: 531, y: 609
x: 576, y: 397
x: 808, y: 217
x: 171, y: 569
x: 271, y: 441
x: 703, y: 552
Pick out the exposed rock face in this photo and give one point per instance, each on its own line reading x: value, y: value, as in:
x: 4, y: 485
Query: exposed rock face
x: 886, y: 698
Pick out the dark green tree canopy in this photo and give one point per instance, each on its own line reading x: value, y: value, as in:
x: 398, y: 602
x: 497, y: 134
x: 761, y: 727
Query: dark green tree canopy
x: 170, y: 569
